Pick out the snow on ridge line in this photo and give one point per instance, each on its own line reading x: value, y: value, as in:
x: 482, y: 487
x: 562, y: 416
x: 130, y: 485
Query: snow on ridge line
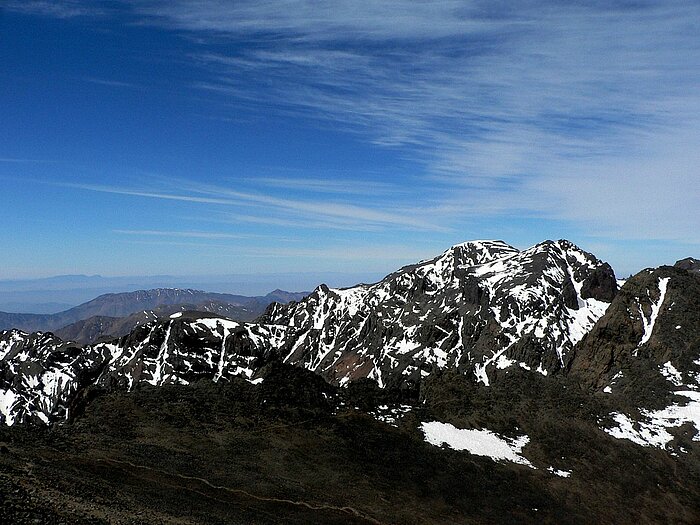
x: 484, y: 244
x: 353, y: 296
x: 477, y: 442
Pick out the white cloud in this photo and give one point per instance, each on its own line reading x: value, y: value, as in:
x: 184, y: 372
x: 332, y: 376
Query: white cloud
x: 55, y: 8
x: 193, y: 234
x: 330, y: 211
x: 549, y: 108
x: 11, y: 160
x: 110, y: 83
x: 344, y: 186
x: 585, y: 113
x: 653, y: 195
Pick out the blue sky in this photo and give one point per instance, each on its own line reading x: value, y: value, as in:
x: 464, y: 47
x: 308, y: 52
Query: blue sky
x: 211, y: 137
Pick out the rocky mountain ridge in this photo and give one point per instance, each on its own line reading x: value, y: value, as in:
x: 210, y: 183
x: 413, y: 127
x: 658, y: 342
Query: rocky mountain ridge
x: 482, y: 309
x: 529, y: 367
x: 481, y: 305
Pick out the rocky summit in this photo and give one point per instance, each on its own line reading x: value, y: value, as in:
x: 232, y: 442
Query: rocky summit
x: 536, y: 359
x: 480, y: 307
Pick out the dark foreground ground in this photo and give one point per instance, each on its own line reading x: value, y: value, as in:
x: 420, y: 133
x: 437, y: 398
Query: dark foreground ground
x: 295, y: 450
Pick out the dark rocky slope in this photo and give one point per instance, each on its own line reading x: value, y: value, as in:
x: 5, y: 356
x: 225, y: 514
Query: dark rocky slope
x: 293, y: 449
x: 647, y: 345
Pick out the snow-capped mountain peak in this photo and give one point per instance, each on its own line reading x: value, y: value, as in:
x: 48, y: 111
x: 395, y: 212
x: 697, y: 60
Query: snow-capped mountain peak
x: 477, y: 305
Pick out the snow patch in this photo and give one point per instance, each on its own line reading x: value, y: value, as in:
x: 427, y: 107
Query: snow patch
x: 669, y: 372
x: 645, y: 434
x: 7, y: 402
x: 503, y: 362
x: 390, y: 415
x: 581, y: 321
x: 478, y: 442
x: 652, y: 430
x: 655, y: 309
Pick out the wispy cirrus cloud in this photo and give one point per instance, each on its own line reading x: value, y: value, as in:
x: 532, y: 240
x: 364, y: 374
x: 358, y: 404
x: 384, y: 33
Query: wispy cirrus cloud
x: 188, y: 234
x: 57, y: 8
x: 13, y: 160
x: 110, y: 83
x: 578, y: 112
x: 337, y: 212
x: 330, y: 186
x: 290, y: 221
x: 495, y: 100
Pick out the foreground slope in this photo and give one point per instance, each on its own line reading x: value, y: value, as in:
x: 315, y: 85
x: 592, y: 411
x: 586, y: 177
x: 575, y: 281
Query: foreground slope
x: 294, y: 449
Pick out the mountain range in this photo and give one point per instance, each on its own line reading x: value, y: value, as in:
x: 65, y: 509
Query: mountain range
x: 116, y: 314
x: 576, y: 387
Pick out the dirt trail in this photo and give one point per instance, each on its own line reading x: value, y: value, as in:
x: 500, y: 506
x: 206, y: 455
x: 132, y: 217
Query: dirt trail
x: 312, y: 506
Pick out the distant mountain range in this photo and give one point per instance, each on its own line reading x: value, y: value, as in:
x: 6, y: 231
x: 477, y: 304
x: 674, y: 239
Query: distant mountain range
x: 581, y: 390
x: 116, y: 314
x: 55, y: 294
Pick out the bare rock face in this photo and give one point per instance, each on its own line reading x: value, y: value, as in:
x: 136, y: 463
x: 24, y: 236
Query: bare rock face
x: 651, y: 328
x: 688, y: 264
x: 600, y: 284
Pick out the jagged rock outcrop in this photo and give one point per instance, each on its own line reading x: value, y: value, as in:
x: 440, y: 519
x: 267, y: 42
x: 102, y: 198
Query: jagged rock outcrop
x: 689, y: 264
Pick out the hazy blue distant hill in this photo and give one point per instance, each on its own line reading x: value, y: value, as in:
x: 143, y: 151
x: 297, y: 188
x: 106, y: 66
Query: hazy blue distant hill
x: 56, y: 294
x: 34, y: 307
x: 119, y: 305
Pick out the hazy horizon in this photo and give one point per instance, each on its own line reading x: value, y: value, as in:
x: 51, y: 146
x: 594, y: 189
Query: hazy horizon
x: 56, y: 293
